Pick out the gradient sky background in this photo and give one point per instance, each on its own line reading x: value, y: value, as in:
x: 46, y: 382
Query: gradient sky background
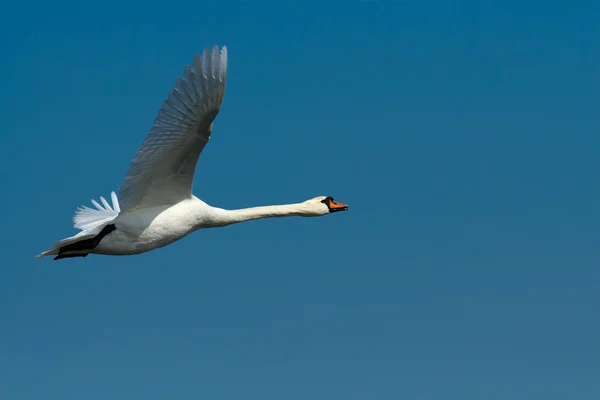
x: 466, y: 140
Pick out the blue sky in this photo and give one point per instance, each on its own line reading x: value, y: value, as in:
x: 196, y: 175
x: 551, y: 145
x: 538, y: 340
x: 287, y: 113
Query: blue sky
x: 464, y: 138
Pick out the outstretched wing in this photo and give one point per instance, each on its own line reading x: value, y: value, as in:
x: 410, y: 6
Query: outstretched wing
x: 163, y: 169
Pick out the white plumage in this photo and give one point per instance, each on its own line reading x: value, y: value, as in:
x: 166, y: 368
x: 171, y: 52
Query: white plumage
x: 155, y: 205
x: 163, y: 169
x: 87, y: 218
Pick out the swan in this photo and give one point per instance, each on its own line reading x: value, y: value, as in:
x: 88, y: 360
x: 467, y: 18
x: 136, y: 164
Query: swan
x: 155, y: 206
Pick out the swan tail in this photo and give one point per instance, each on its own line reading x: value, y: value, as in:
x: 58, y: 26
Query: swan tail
x: 79, y: 245
x: 55, y: 249
x: 94, y: 225
x: 88, y: 219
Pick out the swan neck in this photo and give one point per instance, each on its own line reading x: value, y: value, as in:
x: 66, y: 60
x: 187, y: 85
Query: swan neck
x: 228, y: 217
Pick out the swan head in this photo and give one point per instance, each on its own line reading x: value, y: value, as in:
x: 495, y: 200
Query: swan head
x: 323, y: 205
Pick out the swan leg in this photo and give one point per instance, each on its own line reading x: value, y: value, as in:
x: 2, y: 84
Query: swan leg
x: 84, y: 247
x: 58, y: 257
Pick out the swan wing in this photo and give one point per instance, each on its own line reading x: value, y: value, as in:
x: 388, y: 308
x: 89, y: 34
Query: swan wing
x: 162, y: 171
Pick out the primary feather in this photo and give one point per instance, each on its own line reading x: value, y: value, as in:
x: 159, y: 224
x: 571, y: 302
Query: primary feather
x: 163, y: 168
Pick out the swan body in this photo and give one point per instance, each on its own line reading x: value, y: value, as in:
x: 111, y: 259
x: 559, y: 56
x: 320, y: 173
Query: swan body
x: 155, y: 206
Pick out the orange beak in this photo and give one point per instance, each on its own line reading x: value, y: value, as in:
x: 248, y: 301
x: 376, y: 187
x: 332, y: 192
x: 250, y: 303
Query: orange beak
x: 335, y: 206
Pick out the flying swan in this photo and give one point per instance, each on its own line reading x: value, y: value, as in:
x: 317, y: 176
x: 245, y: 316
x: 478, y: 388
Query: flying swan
x: 156, y: 206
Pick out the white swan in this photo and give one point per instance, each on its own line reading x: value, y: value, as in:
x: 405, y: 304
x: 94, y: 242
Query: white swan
x: 157, y: 206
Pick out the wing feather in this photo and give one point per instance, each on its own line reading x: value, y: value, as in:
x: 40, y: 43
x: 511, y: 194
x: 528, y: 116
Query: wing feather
x: 162, y: 171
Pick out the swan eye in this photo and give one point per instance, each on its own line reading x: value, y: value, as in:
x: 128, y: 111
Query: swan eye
x: 327, y: 200
x: 333, y: 206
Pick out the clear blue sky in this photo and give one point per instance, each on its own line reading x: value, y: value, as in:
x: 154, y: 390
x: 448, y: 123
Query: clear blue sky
x: 466, y: 140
